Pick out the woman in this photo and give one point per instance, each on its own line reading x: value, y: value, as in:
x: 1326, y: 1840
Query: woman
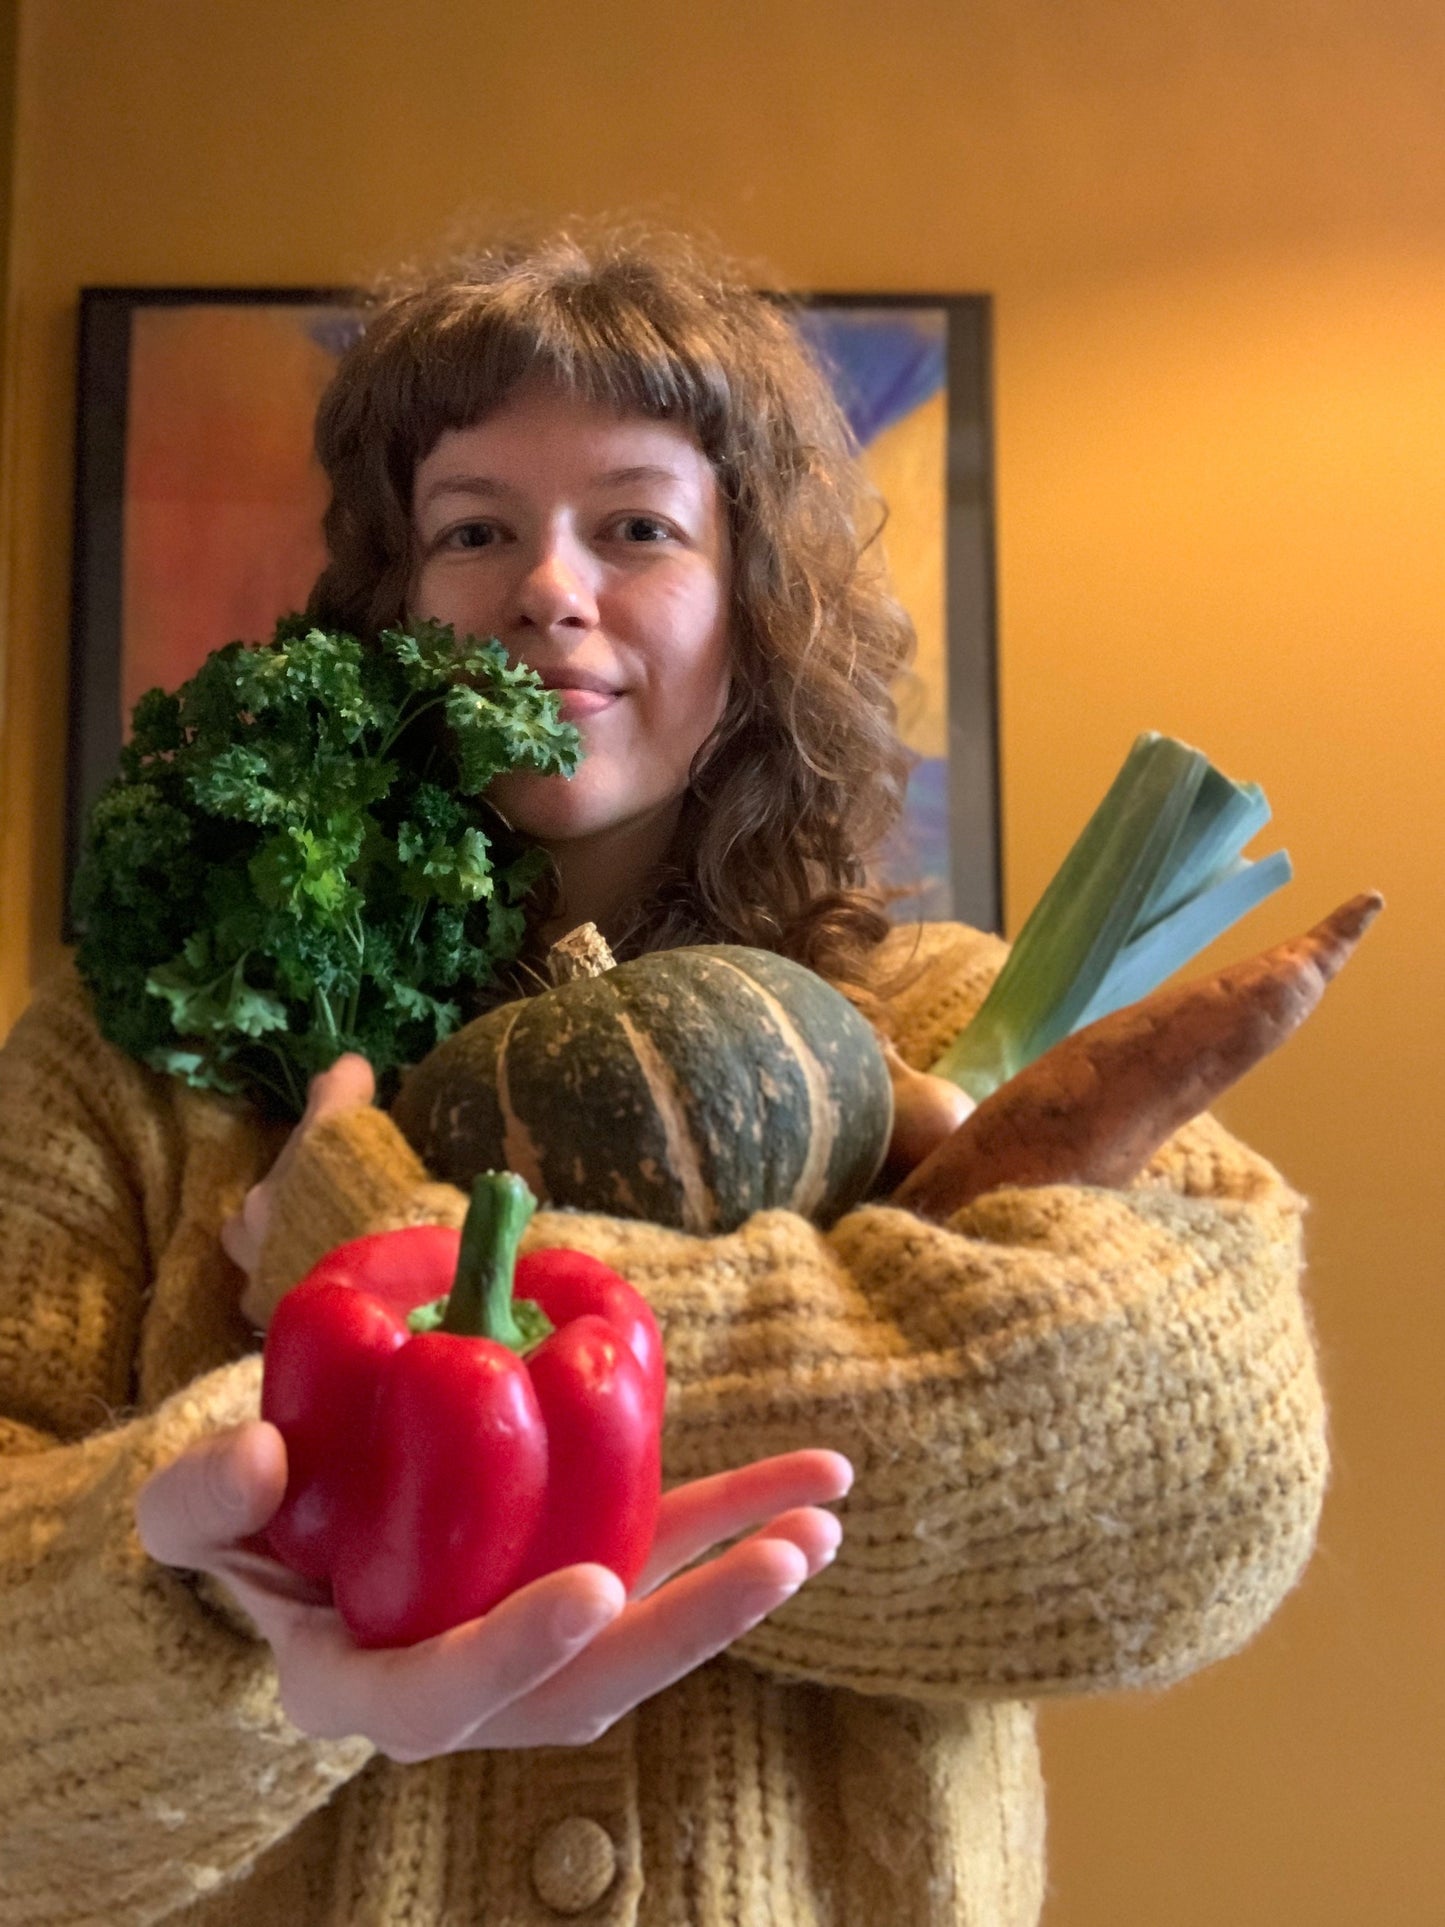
x: 1085, y: 1425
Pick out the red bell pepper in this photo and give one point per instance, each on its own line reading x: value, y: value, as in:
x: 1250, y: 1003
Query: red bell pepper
x: 444, y: 1450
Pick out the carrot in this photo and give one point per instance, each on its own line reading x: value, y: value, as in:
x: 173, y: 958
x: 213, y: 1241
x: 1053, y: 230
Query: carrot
x: 1095, y: 1107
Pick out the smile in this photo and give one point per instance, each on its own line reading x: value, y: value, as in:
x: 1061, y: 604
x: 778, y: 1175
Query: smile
x: 574, y: 703
x: 580, y: 692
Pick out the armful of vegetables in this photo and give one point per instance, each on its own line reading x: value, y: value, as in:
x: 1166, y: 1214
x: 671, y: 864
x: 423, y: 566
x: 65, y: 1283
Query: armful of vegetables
x: 1079, y: 1066
x: 460, y: 1421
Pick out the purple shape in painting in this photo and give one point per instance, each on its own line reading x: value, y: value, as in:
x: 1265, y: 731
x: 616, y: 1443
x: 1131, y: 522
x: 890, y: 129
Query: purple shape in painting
x: 882, y: 364
x: 914, y: 860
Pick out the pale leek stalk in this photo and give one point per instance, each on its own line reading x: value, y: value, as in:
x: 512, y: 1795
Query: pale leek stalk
x: 1155, y: 877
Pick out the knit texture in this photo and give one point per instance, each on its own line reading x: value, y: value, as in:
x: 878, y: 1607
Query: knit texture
x: 1089, y: 1443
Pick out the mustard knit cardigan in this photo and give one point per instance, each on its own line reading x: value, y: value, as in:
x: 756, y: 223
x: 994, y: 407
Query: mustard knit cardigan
x: 1090, y: 1453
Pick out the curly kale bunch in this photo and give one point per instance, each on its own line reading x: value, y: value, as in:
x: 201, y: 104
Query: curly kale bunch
x: 287, y: 867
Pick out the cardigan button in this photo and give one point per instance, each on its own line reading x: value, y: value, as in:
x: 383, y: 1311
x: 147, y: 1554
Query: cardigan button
x: 574, y: 1864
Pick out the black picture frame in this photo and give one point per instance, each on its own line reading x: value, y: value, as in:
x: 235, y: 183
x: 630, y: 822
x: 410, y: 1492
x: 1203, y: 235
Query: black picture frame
x: 108, y: 317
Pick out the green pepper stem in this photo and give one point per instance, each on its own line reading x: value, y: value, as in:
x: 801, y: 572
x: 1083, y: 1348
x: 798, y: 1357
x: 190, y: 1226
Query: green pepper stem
x: 480, y: 1304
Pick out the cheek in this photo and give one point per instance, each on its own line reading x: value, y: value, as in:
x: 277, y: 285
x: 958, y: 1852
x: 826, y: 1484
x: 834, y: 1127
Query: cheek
x: 722, y: 683
x: 692, y: 647
x: 423, y: 599
x: 692, y: 702
x: 454, y: 595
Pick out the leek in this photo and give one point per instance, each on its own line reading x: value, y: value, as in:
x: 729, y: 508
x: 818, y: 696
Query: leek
x: 1155, y: 877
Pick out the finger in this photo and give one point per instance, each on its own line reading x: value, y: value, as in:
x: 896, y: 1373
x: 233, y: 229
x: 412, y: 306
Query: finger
x: 244, y: 1232
x: 654, y: 1643
x: 219, y: 1491
x: 817, y: 1535
x: 347, y: 1083
x: 418, y: 1701
x: 256, y: 1307
x: 478, y: 1684
x: 236, y: 1242
x: 693, y: 1518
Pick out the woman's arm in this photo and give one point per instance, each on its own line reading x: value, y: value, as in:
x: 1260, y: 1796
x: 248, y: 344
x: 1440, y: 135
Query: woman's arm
x: 1086, y: 1425
x: 158, y: 1746
x: 1104, y: 1461
x: 146, y: 1756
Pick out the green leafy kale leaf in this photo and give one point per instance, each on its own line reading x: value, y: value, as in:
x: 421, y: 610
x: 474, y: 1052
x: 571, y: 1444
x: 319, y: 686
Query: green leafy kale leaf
x: 295, y: 859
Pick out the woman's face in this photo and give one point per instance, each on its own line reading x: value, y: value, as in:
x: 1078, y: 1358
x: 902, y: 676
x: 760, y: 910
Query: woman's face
x: 594, y: 547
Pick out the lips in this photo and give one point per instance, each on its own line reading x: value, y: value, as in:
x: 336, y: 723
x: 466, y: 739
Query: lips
x: 580, y: 693
x: 574, y: 703
x: 575, y: 679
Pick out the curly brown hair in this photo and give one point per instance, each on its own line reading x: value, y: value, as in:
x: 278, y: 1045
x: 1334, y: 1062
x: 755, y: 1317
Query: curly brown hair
x: 805, y: 773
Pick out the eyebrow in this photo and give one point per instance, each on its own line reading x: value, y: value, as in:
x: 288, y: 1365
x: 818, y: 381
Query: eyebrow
x: 487, y: 486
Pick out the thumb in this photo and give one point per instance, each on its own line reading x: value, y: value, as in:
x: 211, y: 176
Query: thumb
x: 349, y: 1082
x: 220, y: 1490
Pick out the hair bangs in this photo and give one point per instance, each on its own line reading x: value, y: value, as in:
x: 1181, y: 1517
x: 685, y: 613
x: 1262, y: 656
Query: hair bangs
x: 598, y: 342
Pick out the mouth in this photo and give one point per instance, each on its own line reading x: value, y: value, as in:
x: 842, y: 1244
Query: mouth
x: 574, y: 705
x: 580, y: 693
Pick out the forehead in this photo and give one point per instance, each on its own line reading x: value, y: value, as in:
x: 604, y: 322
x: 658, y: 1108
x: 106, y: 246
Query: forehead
x: 539, y: 431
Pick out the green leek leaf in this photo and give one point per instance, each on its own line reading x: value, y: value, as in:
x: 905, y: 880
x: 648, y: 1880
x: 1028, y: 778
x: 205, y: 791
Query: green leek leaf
x: 1155, y: 876
x: 1168, y: 945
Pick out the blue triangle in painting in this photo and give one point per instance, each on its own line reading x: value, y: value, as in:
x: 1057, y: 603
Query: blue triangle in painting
x: 882, y: 364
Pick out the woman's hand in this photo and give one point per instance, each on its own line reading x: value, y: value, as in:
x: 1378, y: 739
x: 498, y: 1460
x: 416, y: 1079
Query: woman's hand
x: 348, y: 1085
x: 557, y: 1663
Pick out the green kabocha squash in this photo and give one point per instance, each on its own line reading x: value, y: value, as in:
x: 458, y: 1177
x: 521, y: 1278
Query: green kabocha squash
x: 690, y: 1087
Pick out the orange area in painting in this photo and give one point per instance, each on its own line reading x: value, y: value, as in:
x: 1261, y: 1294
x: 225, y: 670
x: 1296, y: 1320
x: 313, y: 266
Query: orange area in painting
x: 223, y: 496
x: 907, y: 464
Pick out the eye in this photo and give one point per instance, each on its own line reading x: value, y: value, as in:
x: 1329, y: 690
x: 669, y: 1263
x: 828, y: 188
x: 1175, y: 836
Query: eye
x: 471, y: 535
x: 643, y: 528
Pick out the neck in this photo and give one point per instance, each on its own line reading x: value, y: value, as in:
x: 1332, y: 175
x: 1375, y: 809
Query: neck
x: 602, y: 876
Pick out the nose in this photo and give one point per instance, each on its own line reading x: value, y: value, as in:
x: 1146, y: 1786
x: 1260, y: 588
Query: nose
x: 557, y: 590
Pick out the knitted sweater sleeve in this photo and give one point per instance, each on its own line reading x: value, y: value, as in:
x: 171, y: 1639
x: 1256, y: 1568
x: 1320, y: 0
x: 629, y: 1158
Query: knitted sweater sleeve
x: 1086, y: 1424
x: 146, y: 1757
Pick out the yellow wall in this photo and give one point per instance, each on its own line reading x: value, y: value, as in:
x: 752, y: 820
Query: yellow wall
x: 1216, y: 236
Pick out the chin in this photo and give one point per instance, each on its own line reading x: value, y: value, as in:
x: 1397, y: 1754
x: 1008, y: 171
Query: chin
x: 550, y: 810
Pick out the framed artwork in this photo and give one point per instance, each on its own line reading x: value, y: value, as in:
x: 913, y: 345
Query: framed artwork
x: 198, y: 509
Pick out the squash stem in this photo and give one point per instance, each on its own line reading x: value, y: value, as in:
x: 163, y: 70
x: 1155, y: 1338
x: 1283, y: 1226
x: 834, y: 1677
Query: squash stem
x: 583, y: 952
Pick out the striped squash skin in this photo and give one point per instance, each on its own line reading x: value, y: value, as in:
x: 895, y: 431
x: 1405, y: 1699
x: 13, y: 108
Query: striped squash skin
x: 688, y: 1087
